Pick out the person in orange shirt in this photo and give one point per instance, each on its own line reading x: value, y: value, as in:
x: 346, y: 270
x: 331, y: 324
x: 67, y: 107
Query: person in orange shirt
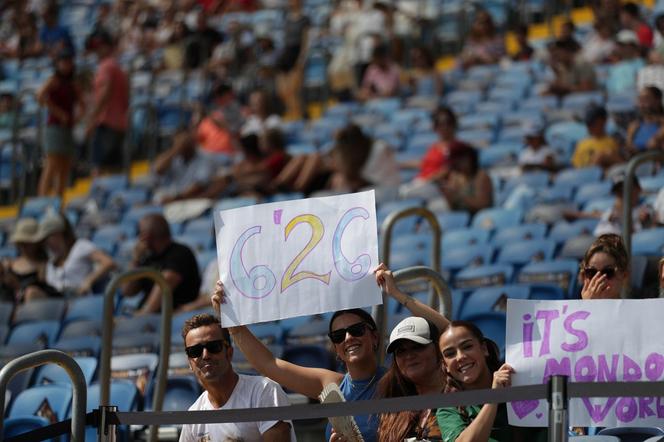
x: 217, y: 132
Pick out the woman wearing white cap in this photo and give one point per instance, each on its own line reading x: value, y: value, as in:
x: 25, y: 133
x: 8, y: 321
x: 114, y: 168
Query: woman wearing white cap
x: 416, y: 369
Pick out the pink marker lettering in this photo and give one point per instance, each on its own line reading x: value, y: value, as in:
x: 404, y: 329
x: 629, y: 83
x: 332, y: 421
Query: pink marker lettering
x: 527, y: 337
x: 654, y: 366
x: 631, y: 370
x: 604, y: 373
x: 644, y: 407
x: 626, y: 409
x: 548, y: 316
x: 597, y: 413
x: 582, y: 337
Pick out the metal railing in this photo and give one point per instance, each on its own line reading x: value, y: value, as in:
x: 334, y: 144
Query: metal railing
x: 387, y: 227
x: 73, y: 371
x: 165, y: 336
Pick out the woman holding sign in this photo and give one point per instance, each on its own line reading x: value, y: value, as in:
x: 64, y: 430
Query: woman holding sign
x: 471, y: 362
x: 353, y: 333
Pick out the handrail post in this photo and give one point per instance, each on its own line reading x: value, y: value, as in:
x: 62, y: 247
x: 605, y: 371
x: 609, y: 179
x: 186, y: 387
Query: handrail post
x: 73, y: 371
x: 628, y: 185
x: 386, y: 228
x: 558, y: 417
x: 106, y: 432
x: 165, y: 342
x: 439, y: 285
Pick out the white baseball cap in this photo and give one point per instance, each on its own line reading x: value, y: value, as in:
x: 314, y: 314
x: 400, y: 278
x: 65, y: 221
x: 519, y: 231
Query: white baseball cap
x: 414, y: 329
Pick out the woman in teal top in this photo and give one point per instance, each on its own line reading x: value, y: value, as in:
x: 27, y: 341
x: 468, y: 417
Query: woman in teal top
x: 471, y: 362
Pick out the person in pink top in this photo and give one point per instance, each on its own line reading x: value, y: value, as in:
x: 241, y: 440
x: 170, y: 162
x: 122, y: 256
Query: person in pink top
x: 382, y: 78
x: 108, y: 121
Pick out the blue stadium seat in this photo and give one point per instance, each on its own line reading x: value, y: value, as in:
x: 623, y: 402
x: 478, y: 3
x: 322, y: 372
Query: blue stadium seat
x: 54, y: 374
x: 575, y: 248
x: 199, y: 226
x: 383, y: 106
x: 496, y: 218
x: 109, y: 184
x: 4, y: 332
x: 649, y: 242
x: 37, y: 207
x: 87, y: 307
x: 652, y: 184
x: 562, y: 272
x: 123, y: 394
x: 539, y: 103
x: 477, y: 137
x: 521, y: 252
x: 137, y: 324
x: 134, y: 214
x: 478, y: 121
x: 52, y: 400
x: 421, y: 142
x: 464, y: 236
x: 234, y: 203
x: 457, y: 258
x: 268, y: 332
x: 129, y: 197
x: 491, y: 299
x: 34, y: 331
x: 81, y: 327
x: 578, y: 177
x: 313, y: 331
x: 499, y: 154
x: 563, y: 230
x: 80, y: 345
x: 6, y: 310
x: 599, y: 204
x: 511, y: 234
x: 19, y: 425
x: 198, y: 242
x: 309, y: 356
x: 40, y: 309
x: 493, y: 326
x: 135, y: 344
x: 138, y: 368
x: 452, y: 220
x: 590, y: 191
x: 483, y: 276
x: 547, y: 292
x: 409, y: 241
x: 181, y: 392
x: 581, y: 100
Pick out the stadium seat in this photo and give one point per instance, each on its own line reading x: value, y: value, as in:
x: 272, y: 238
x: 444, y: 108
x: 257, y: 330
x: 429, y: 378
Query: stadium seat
x: 589, y: 191
x: 575, y: 248
x: 134, y: 214
x: 594, y: 439
x: 6, y: 310
x: 312, y: 332
x: 19, y: 425
x: 199, y: 226
x: 269, y: 333
x: 599, y: 204
x: 649, y: 242
x: 180, y: 393
x: 464, y: 237
x: 54, y: 374
x: 4, y: 332
x: 114, y: 232
x: 309, y: 356
x: 138, y: 368
x: 632, y: 434
x: 198, y: 242
x: 34, y: 331
x: 37, y: 207
x: 123, y: 394
x: 50, y: 401
x: 40, y: 309
x: 483, y: 276
x: 493, y: 326
x: 129, y: 344
x: 451, y: 220
x: 512, y: 234
x: 491, y: 299
x: 137, y: 324
x: 562, y: 273
x: 79, y: 345
x: 456, y: 258
x: 578, y: 177
x: 87, y: 307
x: 563, y: 230
x: 496, y: 218
x: 234, y: 203
x: 522, y: 252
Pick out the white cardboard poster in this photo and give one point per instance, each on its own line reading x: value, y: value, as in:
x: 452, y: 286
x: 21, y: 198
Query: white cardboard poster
x: 589, y: 341
x: 294, y: 258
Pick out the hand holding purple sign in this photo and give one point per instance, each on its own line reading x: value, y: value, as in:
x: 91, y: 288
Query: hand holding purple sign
x: 294, y: 258
x: 583, y: 340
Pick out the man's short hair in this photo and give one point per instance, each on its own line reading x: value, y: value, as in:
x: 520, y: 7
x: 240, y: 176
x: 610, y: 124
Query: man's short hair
x: 157, y: 225
x: 203, y: 320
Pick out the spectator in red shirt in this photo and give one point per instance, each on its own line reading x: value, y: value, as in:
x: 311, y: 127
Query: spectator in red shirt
x: 109, y: 119
x: 630, y: 18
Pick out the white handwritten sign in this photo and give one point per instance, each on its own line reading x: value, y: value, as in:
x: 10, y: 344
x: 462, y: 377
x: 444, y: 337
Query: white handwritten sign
x: 296, y: 258
x: 589, y: 341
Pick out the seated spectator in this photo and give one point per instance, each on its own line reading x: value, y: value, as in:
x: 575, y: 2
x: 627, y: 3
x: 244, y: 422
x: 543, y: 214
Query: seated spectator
x: 262, y: 160
x: 260, y: 116
x: 604, y: 269
x: 7, y: 112
x: 54, y: 37
x: 200, y: 42
x: 75, y: 265
x: 424, y: 80
x: 599, y: 47
x: 382, y: 77
x: 642, y: 133
x: 599, y: 148
x: 435, y: 162
x: 175, y: 46
x: 571, y: 73
x: 466, y: 186
x: 23, y: 277
x: 630, y: 18
x: 155, y: 248
x: 471, y: 362
x: 24, y: 41
x: 182, y: 171
x: 210, y: 352
x: 415, y: 370
x: 610, y: 221
x: 567, y: 31
x: 622, y: 74
x: 536, y: 155
x: 484, y: 44
x: 525, y: 51
x: 216, y: 132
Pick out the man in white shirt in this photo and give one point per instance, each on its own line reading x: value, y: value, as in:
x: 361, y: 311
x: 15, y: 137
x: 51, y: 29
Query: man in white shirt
x: 209, y: 350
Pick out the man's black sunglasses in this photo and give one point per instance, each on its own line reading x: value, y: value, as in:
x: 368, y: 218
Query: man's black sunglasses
x: 355, y: 330
x: 195, y: 351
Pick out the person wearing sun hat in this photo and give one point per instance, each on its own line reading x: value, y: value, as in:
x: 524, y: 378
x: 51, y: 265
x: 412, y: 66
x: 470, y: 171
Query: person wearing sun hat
x: 75, y: 264
x: 23, y: 276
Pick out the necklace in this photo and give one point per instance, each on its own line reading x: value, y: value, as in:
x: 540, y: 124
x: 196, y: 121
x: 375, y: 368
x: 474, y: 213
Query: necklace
x: 354, y: 388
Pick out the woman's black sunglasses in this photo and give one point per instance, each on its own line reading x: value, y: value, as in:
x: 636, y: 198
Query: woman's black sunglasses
x: 355, y: 330
x: 195, y: 351
x: 590, y: 272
